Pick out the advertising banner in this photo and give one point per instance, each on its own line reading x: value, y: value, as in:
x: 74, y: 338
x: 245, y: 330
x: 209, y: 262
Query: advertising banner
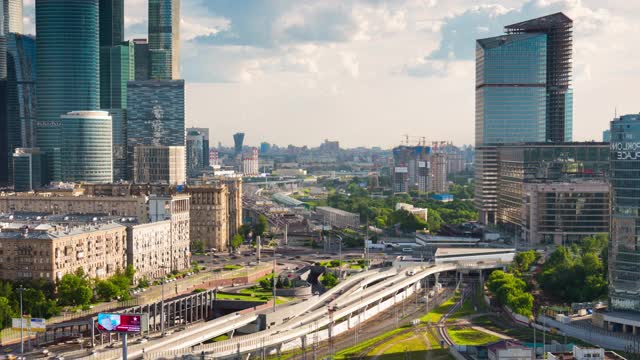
x: 129, y: 323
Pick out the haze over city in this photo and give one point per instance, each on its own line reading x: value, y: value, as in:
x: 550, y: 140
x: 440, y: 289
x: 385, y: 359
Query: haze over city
x: 367, y: 72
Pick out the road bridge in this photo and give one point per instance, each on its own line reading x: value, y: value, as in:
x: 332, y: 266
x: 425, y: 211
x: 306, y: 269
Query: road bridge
x: 334, y: 313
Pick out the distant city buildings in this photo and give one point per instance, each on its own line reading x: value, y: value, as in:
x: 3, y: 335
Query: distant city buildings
x: 27, y: 169
x: 338, y: 218
x: 250, y: 164
x: 238, y: 143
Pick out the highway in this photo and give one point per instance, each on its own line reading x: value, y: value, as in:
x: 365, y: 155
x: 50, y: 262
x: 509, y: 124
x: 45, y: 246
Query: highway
x: 347, y: 305
x: 396, y: 287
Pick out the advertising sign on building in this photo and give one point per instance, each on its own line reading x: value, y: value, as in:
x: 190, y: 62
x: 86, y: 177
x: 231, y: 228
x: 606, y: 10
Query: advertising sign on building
x: 129, y: 323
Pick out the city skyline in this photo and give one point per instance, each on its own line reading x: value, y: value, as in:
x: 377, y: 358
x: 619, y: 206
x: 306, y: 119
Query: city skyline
x: 360, y: 63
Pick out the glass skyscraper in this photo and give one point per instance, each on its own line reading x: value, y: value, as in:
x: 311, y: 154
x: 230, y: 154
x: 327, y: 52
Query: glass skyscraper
x: 111, y: 22
x: 21, y: 92
x: 155, y: 114
x: 141, y: 56
x: 164, y: 39
x: 87, y: 147
x: 522, y: 95
x: 624, y: 241
x: 68, y: 70
x: 116, y: 69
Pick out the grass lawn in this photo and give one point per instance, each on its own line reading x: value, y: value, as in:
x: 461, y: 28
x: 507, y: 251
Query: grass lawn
x: 465, y: 310
x: 468, y: 336
x: 242, y: 297
x: 436, y: 314
x: 354, y: 350
x: 232, y: 267
x: 500, y: 324
x: 408, y: 342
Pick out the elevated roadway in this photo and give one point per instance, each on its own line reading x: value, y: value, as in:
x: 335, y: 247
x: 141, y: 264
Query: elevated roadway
x: 336, y: 311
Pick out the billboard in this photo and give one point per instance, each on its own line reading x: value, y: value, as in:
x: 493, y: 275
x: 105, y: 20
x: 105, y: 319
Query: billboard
x: 128, y: 323
x: 29, y: 324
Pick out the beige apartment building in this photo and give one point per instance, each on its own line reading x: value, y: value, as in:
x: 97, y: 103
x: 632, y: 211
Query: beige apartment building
x: 209, y: 215
x: 71, y: 203
x: 44, y: 251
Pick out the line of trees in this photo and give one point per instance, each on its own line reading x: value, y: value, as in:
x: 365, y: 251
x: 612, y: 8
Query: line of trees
x: 511, y: 291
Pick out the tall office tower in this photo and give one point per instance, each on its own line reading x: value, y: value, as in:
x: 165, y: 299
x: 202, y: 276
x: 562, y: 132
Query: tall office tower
x: 141, y: 59
x: 195, y: 153
x: 606, y: 135
x: 624, y: 273
x: 559, y: 31
x: 21, y: 93
x: 205, y: 143
x: 68, y: 70
x: 238, y: 140
x: 164, y: 39
x: 13, y: 22
x: 119, y: 142
x: 522, y: 94
x: 116, y: 69
x: 5, y: 154
x: 155, y: 114
x: 27, y: 165
x: 87, y: 147
x: 111, y: 22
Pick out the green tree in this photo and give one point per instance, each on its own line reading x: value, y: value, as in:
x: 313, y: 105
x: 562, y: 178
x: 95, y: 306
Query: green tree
x: 329, y: 280
x: 261, y: 227
x: 74, y: 289
x: 197, y: 246
x: 524, y: 260
x: 106, y: 290
x: 130, y: 273
x: 6, y: 312
x: 236, y: 241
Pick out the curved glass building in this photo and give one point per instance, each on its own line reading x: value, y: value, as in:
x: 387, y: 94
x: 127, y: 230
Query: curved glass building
x: 86, y: 147
x: 68, y: 70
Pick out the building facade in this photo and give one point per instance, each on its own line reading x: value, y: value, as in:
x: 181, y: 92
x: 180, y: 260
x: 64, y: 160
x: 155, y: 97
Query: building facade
x: 13, y: 21
x: 164, y: 39
x: 523, y: 94
x: 250, y: 164
x: 20, y: 93
x: 624, y: 256
x: 87, y: 147
x: 50, y: 251
x: 338, y: 218
x: 68, y: 70
x: 195, y: 153
x: 119, y: 142
x: 209, y: 215
x: 70, y: 203
x: 117, y: 67
x: 205, y: 143
x: 27, y: 169
x: 155, y: 114
x: 562, y: 213
x: 141, y: 59
x: 159, y: 164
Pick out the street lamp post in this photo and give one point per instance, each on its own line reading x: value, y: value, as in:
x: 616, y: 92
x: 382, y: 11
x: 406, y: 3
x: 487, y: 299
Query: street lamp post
x: 21, y: 289
x: 339, y: 256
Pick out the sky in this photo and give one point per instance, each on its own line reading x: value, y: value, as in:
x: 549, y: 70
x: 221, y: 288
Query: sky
x: 369, y: 72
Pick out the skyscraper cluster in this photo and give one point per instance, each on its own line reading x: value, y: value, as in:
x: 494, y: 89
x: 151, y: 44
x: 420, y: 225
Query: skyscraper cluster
x: 80, y: 91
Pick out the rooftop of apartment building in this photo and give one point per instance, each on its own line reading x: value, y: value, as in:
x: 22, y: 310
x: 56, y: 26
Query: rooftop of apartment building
x: 50, y: 231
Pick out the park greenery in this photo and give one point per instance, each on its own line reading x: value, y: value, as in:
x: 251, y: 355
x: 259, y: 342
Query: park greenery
x: 382, y: 214
x: 329, y: 280
x: 511, y: 291
x: 577, y: 273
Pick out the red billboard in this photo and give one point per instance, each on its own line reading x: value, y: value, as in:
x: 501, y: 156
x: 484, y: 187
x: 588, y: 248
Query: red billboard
x: 128, y: 323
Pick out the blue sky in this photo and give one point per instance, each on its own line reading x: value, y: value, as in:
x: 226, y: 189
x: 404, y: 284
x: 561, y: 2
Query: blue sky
x: 366, y: 72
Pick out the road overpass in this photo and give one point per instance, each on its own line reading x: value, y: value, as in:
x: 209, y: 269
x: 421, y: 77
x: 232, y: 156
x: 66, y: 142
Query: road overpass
x: 347, y: 305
